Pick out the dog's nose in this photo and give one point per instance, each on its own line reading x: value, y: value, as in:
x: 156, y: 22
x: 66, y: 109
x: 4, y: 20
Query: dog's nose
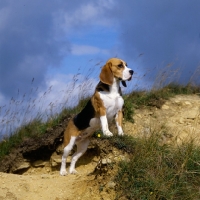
x: 131, y: 72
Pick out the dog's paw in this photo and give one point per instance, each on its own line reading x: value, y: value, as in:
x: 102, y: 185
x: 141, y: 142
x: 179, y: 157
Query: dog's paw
x: 63, y: 172
x: 108, y: 133
x: 73, y: 171
x: 120, y: 133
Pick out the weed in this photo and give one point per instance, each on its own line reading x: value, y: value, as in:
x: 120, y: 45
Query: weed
x: 125, y: 143
x: 128, y: 109
x: 98, y: 134
x: 34, y: 129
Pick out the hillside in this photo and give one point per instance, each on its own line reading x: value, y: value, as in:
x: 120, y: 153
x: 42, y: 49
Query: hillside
x: 177, y: 120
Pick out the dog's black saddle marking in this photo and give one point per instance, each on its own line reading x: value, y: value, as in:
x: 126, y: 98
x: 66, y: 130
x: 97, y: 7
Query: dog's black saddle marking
x: 82, y: 119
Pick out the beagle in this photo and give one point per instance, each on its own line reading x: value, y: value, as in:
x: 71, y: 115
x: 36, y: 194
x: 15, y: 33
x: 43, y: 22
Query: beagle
x: 105, y: 105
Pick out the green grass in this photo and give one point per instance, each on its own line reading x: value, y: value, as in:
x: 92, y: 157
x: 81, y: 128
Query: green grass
x: 125, y: 143
x: 34, y: 129
x: 158, y: 171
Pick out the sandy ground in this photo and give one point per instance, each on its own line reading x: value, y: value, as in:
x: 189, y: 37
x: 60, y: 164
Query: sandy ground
x: 178, y: 120
x: 44, y: 186
x: 52, y: 187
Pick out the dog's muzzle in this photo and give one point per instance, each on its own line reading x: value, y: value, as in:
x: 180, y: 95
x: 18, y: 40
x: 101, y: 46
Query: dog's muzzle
x: 131, y: 73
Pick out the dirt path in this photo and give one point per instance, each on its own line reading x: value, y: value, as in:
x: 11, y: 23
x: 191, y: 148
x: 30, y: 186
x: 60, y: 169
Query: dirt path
x: 180, y: 116
x: 52, y: 187
x: 44, y: 186
x: 42, y: 183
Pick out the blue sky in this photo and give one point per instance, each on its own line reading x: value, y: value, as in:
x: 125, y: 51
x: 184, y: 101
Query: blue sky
x: 53, y: 41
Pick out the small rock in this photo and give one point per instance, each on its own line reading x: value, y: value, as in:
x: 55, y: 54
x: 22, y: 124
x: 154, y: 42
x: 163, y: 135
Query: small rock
x: 187, y: 103
x: 23, y: 165
x: 165, y: 107
x: 55, y: 160
x: 59, y: 150
x: 181, y: 120
x: 48, y: 170
x: 45, y: 176
x: 95, y: 159
x: 39, y: 163
x: 111, y: 185
x: 139, y: 115
x: 191, y: 114
x: 106, y: 161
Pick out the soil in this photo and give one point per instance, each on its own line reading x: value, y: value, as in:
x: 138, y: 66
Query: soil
x: 178, y: 119
x: 95, y: 178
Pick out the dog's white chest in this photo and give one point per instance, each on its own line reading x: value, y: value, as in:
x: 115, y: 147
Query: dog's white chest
x: 113, y: 102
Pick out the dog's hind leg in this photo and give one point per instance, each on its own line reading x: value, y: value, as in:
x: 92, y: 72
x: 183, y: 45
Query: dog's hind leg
x: 66, y: 152
x: 70, y: 136
x: 81, y: 149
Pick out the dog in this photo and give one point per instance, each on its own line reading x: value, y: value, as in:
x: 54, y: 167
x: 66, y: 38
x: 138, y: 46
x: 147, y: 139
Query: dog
x: 105, y: 105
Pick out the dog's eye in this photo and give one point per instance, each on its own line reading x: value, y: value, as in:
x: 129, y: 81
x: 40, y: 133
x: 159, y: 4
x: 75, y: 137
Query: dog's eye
x: 120, y: 65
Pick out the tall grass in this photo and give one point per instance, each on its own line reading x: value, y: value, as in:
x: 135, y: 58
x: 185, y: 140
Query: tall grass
x: 157, y: 171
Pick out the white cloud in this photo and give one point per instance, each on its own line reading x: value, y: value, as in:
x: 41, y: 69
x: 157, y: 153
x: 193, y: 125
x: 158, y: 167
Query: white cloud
x: 92, y: 13
x: 66, y: 90
x: 86, y: 49
x: 88, y: 13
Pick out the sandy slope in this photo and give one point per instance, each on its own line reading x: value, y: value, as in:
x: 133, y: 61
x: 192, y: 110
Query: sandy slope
x: 50, y: 186
x: 41, y: 187
x: 178, y: 119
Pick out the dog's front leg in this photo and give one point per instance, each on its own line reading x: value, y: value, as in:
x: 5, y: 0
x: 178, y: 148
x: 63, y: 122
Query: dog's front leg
x: 104, y: 123
x: 118, y: 121
x: 104, y: 126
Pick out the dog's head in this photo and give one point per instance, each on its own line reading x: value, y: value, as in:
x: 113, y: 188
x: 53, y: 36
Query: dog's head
x: 115, y: 68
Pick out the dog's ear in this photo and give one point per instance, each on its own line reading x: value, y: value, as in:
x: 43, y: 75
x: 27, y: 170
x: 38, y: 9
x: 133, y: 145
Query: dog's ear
x: 106, y: 75
x: 124, y: 83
